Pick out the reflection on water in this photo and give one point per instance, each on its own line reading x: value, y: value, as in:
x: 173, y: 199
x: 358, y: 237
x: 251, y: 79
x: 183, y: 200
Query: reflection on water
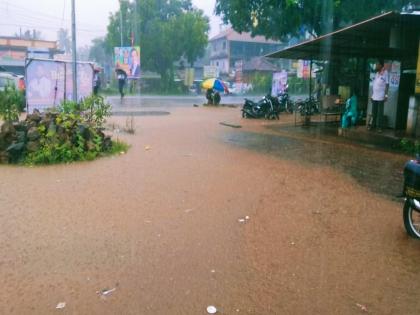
x: 380, y: 172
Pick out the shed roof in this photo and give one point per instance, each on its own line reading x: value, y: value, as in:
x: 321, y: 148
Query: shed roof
x: 370, y: 38
x: 231, y: 35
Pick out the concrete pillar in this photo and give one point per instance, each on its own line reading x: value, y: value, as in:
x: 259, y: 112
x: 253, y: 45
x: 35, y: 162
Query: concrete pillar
x: 413, y: 117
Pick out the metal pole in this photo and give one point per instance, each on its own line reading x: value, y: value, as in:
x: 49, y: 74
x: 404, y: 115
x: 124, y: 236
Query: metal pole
x: 121, y: 25
x: 74, y: 54
x: 310, y: 79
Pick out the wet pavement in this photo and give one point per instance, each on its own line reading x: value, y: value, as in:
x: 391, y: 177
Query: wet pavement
x: 146, y: 101
x: 378, y: 171
x: 159, y: 227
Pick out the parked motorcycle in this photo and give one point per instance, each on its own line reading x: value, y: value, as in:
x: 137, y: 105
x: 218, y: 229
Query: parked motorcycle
x: 307, y: 107
x: 286, y: 104
x: 411, y: 192
x: 268, y: 107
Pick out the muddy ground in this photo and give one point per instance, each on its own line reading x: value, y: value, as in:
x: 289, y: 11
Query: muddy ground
x: 160, y: 225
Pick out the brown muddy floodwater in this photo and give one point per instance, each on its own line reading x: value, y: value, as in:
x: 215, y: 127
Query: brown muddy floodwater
x: 161, y: 227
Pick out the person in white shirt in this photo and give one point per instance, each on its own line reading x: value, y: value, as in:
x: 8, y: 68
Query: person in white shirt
x: 379, y: 95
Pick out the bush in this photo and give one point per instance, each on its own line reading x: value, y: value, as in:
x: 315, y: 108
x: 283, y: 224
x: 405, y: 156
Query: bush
x: 11, y: 103
x: 66, y: 138
x: 74, y: 132
x: 410, y: 146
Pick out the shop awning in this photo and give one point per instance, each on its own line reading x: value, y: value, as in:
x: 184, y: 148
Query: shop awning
x: 383, y: 36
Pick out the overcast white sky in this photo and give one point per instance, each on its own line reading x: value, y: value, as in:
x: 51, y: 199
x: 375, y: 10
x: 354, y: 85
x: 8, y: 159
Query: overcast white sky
x: 92, y: 17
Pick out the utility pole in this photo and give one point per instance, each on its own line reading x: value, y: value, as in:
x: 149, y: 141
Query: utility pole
x: 121, y: 24
x: 74, y: 53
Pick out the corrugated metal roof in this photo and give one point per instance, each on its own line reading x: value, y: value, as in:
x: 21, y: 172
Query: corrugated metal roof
x: 259, y: 64
x: 231, y: 35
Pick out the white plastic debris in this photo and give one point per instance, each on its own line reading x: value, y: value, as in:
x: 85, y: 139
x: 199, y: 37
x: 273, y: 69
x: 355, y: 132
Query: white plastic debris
x: 362, y: 307
x: 211, y: 309
x: 106, y: 292
x: 61, y: 305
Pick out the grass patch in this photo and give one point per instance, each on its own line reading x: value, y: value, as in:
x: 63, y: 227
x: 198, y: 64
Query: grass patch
x: 118, y: 147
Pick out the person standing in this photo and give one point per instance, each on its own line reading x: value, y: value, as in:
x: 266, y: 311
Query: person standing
x: 379, y: 95
x: 122, y: 77
x: 96, y: 81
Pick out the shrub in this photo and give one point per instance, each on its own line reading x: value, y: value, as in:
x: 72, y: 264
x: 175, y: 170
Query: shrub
x: 410, y: 146
x: 74, y: 132
x: 11, y: 103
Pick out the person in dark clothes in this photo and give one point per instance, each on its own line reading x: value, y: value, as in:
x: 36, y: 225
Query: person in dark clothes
x: 122, y: 77
x: 96, y: 81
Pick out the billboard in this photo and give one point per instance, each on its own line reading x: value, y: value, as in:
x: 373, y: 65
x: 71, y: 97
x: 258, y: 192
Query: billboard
x: 49, y: 82
x: 128, y: 59
x: 279, y: 83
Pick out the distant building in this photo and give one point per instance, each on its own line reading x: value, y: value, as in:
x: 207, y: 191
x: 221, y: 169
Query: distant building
x: 230, y: 48
x: 14, y: 51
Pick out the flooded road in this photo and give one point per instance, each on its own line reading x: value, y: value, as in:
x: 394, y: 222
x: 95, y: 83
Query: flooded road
x: 249, y: 220
x: 378, y: 171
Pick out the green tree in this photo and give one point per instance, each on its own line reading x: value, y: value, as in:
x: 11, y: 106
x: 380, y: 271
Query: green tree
x: 165, y: 30
x: 100, y: 53
x: 279, y: 18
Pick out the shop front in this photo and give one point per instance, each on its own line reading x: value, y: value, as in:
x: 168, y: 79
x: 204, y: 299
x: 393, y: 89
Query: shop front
x: 348, y: 56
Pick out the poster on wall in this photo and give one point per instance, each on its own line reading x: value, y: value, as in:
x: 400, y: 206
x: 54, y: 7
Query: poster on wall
x: 49, y: 82
x: 394, y: 74
x: 128, y: 60
x: 279, y: 83
x: 44, y: 84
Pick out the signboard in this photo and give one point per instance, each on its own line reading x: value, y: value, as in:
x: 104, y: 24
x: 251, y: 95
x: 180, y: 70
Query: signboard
x: 303, y: 70
x: 279, y: 82
x: 128, y: 59
x: 418, y: 73
x: 12, y: 55
x: 49, y: 82
x: 210, y: 72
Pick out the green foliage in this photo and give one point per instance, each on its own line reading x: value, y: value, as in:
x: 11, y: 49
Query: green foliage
x: 261, y: 83
x: 168, y: 30
x: 68, y: 107
x: 96, y: 110
x: 410, y: 146
x: 117, y: 147
x: 11, y: 103
x: 298, y: 85
x: 74, y: 134
x: 279, y: 18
